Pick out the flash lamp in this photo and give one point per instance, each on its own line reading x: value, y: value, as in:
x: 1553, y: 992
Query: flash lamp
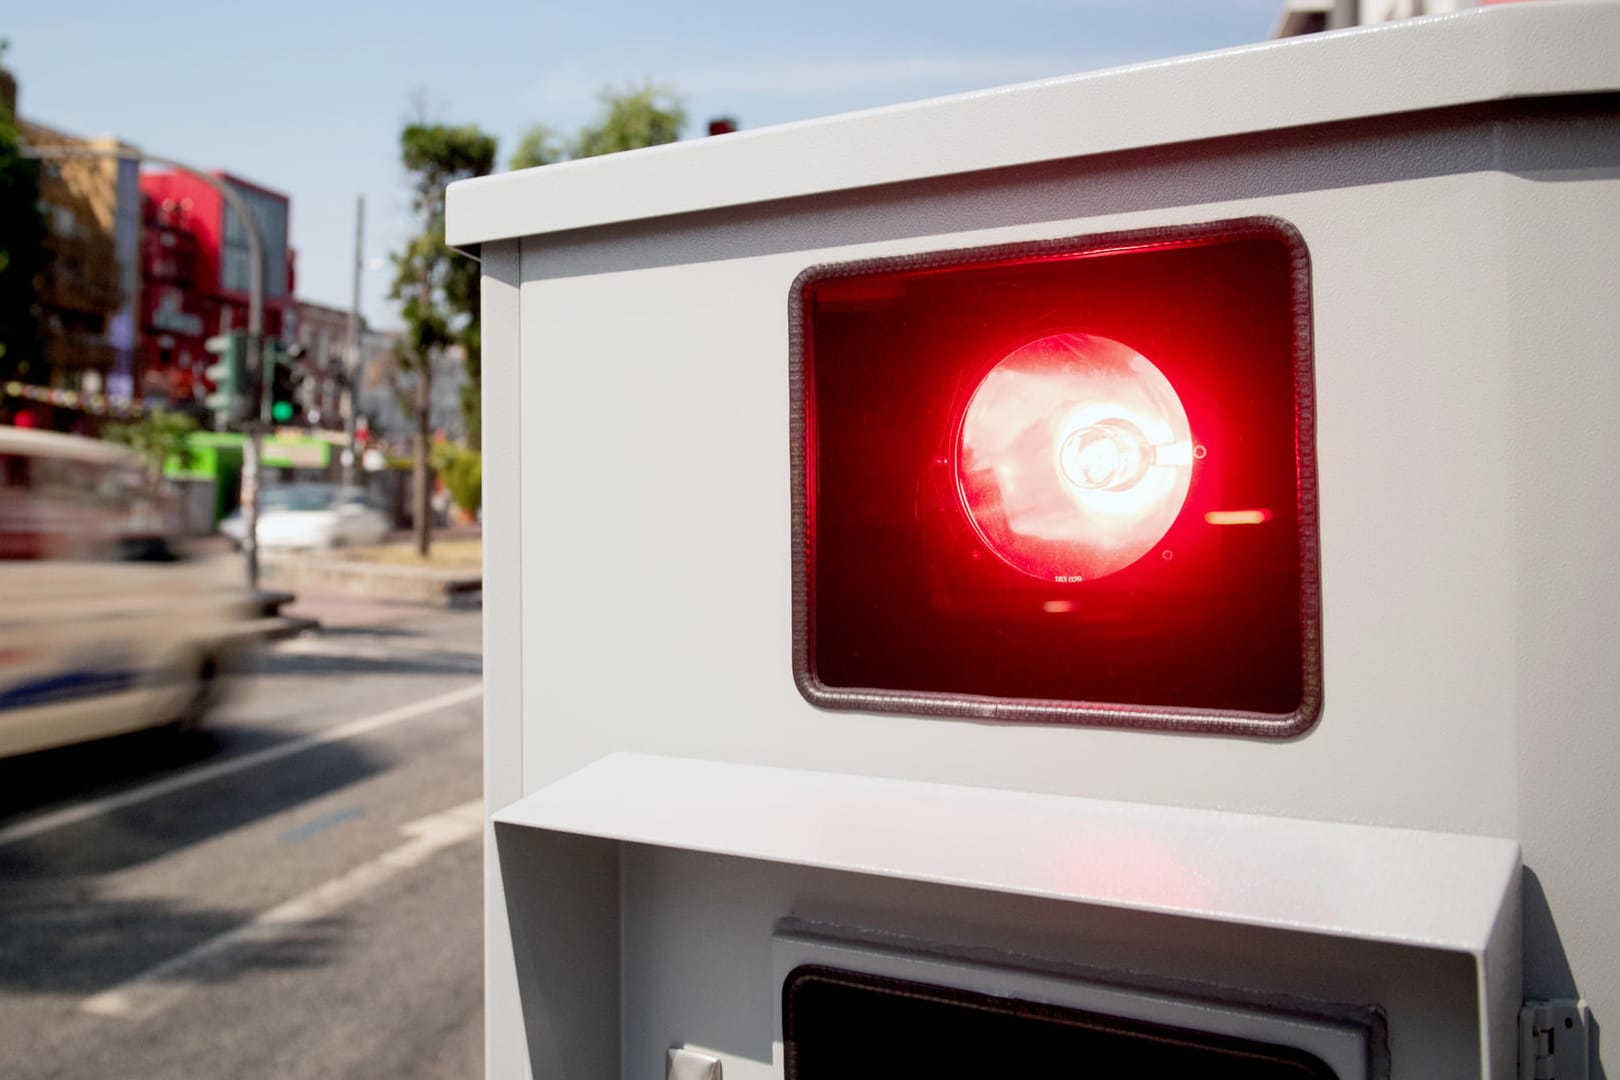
x: 1074, y: 458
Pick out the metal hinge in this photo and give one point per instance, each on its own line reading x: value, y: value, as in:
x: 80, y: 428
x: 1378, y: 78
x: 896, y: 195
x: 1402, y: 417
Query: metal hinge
x: 1552, y: 1040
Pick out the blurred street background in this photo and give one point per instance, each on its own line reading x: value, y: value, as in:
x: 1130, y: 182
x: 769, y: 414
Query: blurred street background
x: 290, y: 890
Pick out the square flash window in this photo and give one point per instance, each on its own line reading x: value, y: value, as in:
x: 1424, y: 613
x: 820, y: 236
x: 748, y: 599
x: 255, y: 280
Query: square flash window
x: 1068, y: 481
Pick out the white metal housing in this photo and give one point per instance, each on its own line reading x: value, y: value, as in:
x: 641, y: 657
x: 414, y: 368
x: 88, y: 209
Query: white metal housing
x: 1457, y: 183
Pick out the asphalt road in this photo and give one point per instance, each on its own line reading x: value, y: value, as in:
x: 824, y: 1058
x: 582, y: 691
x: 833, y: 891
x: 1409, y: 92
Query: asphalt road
x: 293, y: 891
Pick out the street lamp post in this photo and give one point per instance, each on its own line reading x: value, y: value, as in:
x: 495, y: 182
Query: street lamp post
x: 255, y: 337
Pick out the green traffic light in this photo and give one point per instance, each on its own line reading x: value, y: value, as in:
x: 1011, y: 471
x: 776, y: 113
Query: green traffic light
x: 281, y: 411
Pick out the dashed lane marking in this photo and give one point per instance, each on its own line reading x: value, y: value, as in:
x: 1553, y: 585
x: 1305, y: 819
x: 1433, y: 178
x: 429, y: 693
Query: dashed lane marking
x: 72, y: 815
x: 158, y: 987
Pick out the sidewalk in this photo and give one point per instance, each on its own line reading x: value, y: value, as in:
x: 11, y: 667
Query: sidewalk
x: 387, y: 573
x: 334, y: 574
x: 344, y: 588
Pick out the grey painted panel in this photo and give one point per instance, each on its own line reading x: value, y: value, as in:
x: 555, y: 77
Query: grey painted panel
x: 1464, y: 323
x: 503, y: 635
x: 1482, y: 55
x: 562, y: 901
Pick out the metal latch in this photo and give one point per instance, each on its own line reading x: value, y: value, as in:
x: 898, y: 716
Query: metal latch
x: 1552, y: 1040
x: 684, y: 1064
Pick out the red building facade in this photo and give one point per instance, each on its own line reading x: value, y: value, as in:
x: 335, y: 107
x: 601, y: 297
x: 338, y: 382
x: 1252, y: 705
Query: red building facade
x: 195, y: 274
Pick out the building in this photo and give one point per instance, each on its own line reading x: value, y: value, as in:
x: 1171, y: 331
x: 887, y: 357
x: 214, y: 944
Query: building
x: 382, y: 384
x: 91, y: 287
x: 323, y: 331
x: 196, y: 269
x: 141, y: 268
x: 176, y: 312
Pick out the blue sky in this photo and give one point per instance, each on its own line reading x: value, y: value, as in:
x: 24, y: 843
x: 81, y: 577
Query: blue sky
x: 308, y: 98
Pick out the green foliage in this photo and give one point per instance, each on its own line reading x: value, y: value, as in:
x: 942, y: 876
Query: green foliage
x: 470, y: 398
x: 630, y: 119
x: 463, y: 472
x: 540, y: 145
x: 22, y: 259
x: 156, y: 438
x: 438, y: 287
x: 439, y: 154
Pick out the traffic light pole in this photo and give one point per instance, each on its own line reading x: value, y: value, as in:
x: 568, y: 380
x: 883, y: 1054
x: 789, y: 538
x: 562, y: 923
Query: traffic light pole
x: 253, y: 450
x: 351, y: 368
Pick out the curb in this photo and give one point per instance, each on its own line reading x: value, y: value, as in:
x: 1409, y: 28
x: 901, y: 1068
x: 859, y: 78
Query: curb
x: 370, y: 581
x: 271, y: 628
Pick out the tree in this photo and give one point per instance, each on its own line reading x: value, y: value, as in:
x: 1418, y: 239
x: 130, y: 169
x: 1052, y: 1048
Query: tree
x: 630, y: 119
x: 540, y: 145
x: 156, y: 439
x: 463, y: 472
x: 22, y: 257
x: 438, y: 288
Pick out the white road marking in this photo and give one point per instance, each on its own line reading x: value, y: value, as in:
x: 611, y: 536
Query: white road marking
x: 72, y: 815
x: 157, y: 988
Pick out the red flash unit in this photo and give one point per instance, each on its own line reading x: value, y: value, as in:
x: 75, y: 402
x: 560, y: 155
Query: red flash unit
x: 1020, y: 470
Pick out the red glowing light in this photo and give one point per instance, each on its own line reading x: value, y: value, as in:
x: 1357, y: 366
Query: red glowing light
x: 1074, y: 457
x: 1238, y: 517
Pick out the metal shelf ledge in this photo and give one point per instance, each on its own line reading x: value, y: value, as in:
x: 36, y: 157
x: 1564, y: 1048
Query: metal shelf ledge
x: 1400, y: 886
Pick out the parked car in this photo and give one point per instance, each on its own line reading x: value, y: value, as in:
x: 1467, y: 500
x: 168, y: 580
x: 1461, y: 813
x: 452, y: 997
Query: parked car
x: 102, y: 629
x: 311, y: 516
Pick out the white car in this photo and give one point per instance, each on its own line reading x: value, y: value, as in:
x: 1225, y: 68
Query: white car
x: 102, y: 631
x: 311, y: 516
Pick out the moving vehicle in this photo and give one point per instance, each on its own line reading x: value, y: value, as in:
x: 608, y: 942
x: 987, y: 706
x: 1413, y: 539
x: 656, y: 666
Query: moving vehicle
x: 103, y: 629
x: 311, y: 516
